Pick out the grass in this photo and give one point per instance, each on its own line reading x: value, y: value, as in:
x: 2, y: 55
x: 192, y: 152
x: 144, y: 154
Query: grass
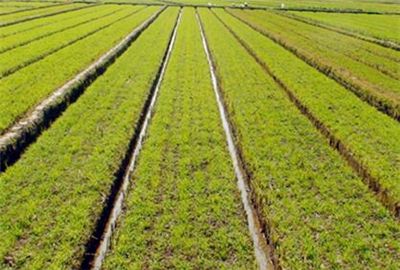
x: 27, y: 87
x: 319, y: 212
x: 184, y: 210
x: 370, y: 135
x: 51, y: 199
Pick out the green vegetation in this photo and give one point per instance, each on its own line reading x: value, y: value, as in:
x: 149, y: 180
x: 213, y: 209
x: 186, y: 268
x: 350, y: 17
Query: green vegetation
x: 371, y: 136
x: 23, y: 56
x: 385, y: 27
x: 51, y: 199
x: 313, y: 100
x: 320, y: 213
x: 27, y: 87
x: 371, y: 70
x: 64, y: 22
x: 337, y: 5
x: 37, y: 24
x: 184, y: 209
x: 36, y: 13
x: 9, y: 7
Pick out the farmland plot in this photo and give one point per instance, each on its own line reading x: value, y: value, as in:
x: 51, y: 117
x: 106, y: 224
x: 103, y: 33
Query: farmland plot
x: 333, y: 5
x: 367, y: 69
x: 319, y: 213
x: 51, y: 199
x: 8, y: 19
x: 15, y: 7
x: 61, y: 23
x: 183, y: 210
x: 384, y: 27
x: 370, y: 136
x: 23, y: 56
x: 28, y: 86
x: 113, y: 154
x: 37, y: 24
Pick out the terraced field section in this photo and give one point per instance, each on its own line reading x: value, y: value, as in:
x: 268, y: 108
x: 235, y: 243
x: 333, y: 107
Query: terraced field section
x: 26, y: 87
x: 318, y: 213
x: 52, y: 198
x: 184, y: 209
x: 27, y: 15
x: 381, y: 27
x: 369, y: 70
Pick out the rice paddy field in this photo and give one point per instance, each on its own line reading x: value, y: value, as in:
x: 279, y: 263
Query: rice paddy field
x: 194, y: 134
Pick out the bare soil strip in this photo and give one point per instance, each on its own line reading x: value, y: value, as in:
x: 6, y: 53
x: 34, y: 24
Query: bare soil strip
x: 14, y: 69
x: 370, y: 99
x: 44, y: 15
x: 18, y: 137
x: 97, y: 247
x: 334, y: 142
x: 263, y: 251
x: 383, y: 43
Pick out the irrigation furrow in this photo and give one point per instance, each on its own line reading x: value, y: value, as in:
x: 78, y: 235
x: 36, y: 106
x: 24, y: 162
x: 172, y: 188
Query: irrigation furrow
x: 383, y: 43
x: 31, y: 61
x: 18, y: 137
x: 98, y: 244
x: 334, y: 142
x: 378, y: 103
x: 48, y: 34
x: 263, y: 251
x: 44, y: 15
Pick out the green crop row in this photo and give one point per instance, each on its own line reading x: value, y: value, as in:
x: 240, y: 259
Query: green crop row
x: 65, y: 21
x: 371, y: 137
x: 26, y: 88
x: 51, y: 199
x: 368, y: 69
x: 319, y: 213
x: 184, y: 209
x: 23, y: 56
x: 37, y: 13
x: 384, y: 27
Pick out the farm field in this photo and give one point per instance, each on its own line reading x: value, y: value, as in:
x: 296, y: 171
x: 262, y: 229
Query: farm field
x: 200, y: 134
x: 379, y: 27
